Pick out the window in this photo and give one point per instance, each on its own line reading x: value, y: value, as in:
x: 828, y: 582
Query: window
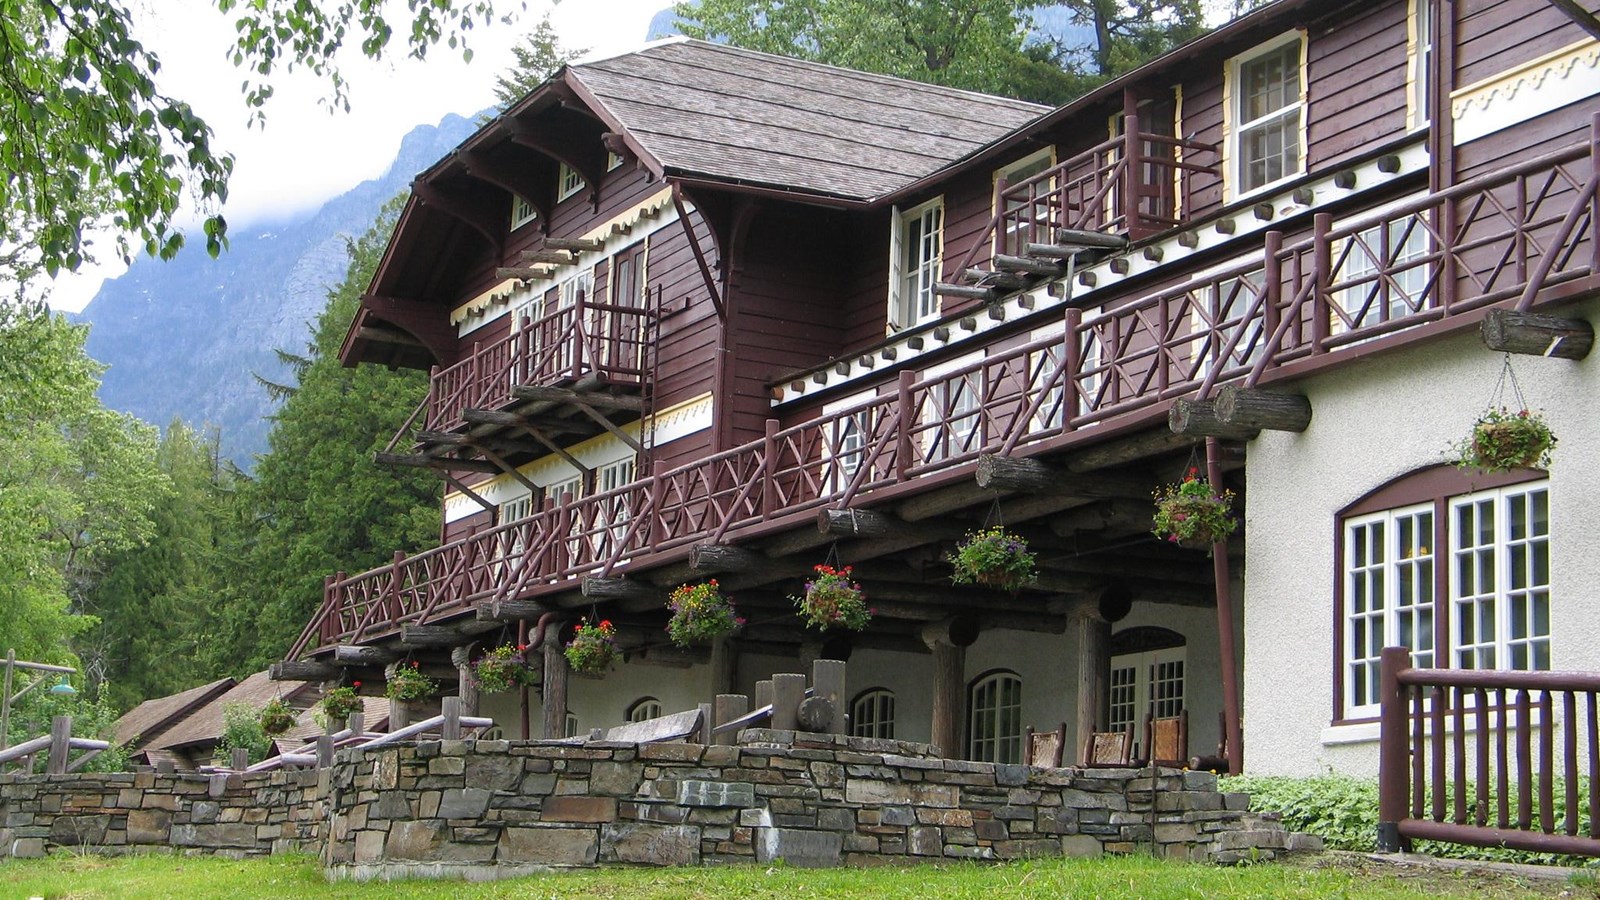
x: 994, y: 718
x: 570, y: 727
x: 1387, y: 276
x: 1268, y: 109
x: 872, y: 714
x: 516, y: 508
x: 915, y: 249
x: 613, y: 161
x: 569, y: 182
x: 1052, y: 413
x: 1419, y: 53
x: 957, y: 404
x: 1227, y: 302
x: 1484, y: 550
x: 849, y: 443
x: 644, y: 709
x: 514, y: 542
x: 1147, y: 683
x: 573, y: 486
x: 522, y: 212
x: 1033, y: 202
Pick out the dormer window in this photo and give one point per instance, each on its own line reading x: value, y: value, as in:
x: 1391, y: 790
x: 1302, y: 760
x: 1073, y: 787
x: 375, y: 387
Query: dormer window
x: 522, y: 212
x: 570, y: 183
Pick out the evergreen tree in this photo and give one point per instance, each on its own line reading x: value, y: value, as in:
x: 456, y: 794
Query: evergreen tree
x: 537, y: 58
x: 318, y: 504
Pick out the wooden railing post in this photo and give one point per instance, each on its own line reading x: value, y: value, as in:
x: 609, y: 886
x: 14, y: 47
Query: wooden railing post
x: 1071, y: 368
x: 1594, y: 198
x: 656, y: 531
x: 60, y: 738
x: 1394, y: 762
x: 904, y: 450
x: 239, y: 759
x: 770, y: 502
x: 1322, y: 276
x: 1271, y: 291
x: 395, y: 568
x: 450, y: 708
x: 431, y: 417
x: 1132, y: 168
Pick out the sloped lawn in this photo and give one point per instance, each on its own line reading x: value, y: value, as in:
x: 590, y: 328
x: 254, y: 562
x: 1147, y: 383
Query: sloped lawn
x: 1127, y: 877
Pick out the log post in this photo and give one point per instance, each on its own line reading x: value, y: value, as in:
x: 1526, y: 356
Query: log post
x: 713, y: 558
x: 827, y: 682
x: 1198, y: 418
x: 556, y: 671
x: 763, y: 695
x: 324, y: 751
x: 357, y: 723
x: 1394, y: 754
x: 1535, y: 334
x: 1094, y: 668
x: 240, y: 759
x: 304, y: 670
x: 724, y: 670
x: 788, y: 689
x: 727, y: 708
x: 949, y: 686
x: 855, y: 523
x: 466, y: 685
x: 450, y: 708
x: 708, y: 712
x: 60, y: 736
x: 1239, y: 407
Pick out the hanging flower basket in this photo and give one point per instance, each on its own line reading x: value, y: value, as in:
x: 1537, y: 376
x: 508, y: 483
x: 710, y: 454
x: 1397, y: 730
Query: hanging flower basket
x: 342, y: 702
x: 592, y: 648
x: 993, y: 557
x: 408, y: 684
x: 1502, y: 440
x: 700, y: 612
x: 505, y: 668
x: 1193, y: 513
x: 276, y: 717
x: 832, y: 600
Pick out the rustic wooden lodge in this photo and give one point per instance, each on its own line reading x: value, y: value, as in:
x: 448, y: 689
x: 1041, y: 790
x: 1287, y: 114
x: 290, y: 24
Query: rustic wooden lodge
x: 696, y: 312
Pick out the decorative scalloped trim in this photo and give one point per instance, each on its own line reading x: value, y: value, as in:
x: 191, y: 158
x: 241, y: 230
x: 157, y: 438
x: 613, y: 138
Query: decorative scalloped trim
x: 1531, y: 89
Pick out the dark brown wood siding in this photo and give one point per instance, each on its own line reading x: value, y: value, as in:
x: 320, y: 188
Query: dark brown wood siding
x: 1495, y: 36
x: 1356, y: 69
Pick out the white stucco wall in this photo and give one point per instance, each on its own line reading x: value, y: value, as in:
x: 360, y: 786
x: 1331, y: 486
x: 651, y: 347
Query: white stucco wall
x: 1371, y: 423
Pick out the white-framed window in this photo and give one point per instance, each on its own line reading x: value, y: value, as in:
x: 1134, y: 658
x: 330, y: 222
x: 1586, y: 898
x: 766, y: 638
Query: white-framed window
x: 1007, y: 239
x: 568, y: 183
x: 1491, y: 576
x: 573, y: 486
x: 994, y: 718
x: 570, y: 726
x: 872, y: 714
x: 1419, y: 69
x: 613, y: 161
x: 1053, y: 408
x: 916, y: 248
x: 1385, y: 262
x: 643, y: 710
x: 1223, y: 308
x: 522, y: 212
x: 516, y: 508
x: 1146, y: 683
x: 846, y: 435
x: 1267, y: 114
x: 613, y: 475
x: 950, y: 417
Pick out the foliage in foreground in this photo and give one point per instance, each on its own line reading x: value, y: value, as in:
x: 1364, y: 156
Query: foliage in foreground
x: 86, y: 877
x: 1343, y: 811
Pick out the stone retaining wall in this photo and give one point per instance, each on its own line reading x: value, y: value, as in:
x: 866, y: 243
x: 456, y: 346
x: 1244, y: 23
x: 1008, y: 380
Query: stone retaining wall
x: 233, y: 815
x: 490, y: 809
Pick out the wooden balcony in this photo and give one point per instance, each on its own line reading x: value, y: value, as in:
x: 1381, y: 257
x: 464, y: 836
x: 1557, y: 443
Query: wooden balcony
x: 586, y: 346
x: 1516, y: 237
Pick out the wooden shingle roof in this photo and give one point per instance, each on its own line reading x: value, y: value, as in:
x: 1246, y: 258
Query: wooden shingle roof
x: 149, y: 719
x: 204, y: 725
x: 732, y: 115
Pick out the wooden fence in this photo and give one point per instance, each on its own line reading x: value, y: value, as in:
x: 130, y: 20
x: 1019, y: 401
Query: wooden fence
x: 1473, y: 757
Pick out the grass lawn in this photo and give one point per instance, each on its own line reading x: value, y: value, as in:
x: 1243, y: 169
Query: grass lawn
x: 296, y: 877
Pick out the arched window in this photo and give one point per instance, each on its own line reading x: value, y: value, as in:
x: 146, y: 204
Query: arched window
x: 644, y: 709
x: 872, y: 714
x: 994, y: 718
x: 1454, y: 566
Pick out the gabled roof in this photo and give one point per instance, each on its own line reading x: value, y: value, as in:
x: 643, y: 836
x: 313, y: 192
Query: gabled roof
x: 737, y: 116
x: 149, y: 719
x: 204, y: 724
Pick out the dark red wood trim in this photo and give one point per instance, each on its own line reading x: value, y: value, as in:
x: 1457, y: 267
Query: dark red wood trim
x: 512, y: 180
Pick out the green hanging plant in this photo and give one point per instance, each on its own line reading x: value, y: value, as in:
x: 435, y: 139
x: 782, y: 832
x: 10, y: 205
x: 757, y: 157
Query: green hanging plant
x: 993, y: 557
x: 342, y: 702
x: 832, y: 600
x: 700, y: 612
x: 408, y: 684
x: 593, y: 647
x: 505, y: 668
x: 1502, y: 440
x: 276, y: 717
x: 1193, y: 513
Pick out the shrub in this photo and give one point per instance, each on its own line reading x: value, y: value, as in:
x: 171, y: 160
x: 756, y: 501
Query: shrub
x: 241, y: 727
x: 1343, y: 811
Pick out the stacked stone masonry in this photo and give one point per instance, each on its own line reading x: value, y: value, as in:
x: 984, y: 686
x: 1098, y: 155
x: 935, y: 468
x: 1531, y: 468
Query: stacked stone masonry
x: 490, y: 809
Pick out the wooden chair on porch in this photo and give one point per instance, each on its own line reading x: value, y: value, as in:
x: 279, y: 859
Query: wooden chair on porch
x: 1108, y: 748
x: 1166, y: 740
x: 1044, y: 749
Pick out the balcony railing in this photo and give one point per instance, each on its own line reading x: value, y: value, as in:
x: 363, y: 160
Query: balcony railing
x: 1136, y: 184
x: 1337, y: 294
x: 1470, y: 757
x: 579, y: 341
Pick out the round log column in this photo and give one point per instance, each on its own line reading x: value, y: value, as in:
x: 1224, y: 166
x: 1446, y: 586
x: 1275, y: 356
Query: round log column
x: 949, y: 687
x: 556, y: 672
x: 1094, y: 669
x: 466, y: 685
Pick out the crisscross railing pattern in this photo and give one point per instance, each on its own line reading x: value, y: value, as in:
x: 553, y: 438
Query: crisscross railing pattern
x: 566, y: 345
x: 1497, y: 238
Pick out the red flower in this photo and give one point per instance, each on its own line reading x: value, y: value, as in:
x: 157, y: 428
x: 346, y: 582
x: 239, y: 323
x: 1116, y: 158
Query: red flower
x: 605, y: 624
x: 355, y: 684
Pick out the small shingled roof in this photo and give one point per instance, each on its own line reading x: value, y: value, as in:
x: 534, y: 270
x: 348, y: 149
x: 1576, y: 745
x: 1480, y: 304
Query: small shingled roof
x: 205, y: 723
x: 723, y: 113
x: 147, y: 720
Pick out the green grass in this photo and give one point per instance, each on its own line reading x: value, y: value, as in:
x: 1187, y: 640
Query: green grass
x: 300, y: 878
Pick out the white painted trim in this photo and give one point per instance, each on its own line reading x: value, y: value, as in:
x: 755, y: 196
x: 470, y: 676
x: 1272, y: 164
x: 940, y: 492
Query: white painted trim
x: 1537, y: 87
x: 897, y: 237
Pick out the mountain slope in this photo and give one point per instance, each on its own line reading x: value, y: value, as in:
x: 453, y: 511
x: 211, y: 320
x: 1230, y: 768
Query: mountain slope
x: 181, y: 339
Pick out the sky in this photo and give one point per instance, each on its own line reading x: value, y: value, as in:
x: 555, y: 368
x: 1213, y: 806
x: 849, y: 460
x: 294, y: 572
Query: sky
x: 306, y: 155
